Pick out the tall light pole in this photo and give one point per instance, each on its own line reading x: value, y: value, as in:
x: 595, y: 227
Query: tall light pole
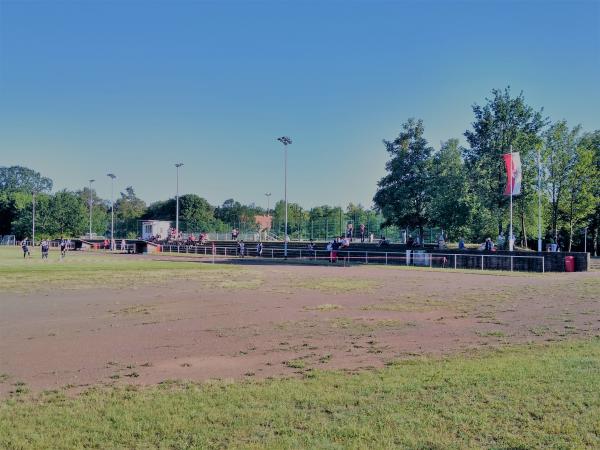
x: 178, y: 165
x: 285, y: 141
x: 268, y: 195
x: 112, y: 210
x: 91, y: 206
x: 33, y: 218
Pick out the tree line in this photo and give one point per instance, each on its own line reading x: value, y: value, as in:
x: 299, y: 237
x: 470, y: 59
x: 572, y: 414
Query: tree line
x: 66, y: 213
x: 460, y: 188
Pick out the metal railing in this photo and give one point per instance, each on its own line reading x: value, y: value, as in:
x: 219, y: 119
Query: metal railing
x: 346, y: 257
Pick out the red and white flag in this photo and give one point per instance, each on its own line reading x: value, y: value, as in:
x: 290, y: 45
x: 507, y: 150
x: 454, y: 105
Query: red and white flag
x: 514, y: 174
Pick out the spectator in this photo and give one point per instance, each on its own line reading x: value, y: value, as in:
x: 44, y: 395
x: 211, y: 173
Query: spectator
x: 461, y: 244
x: 501, y: 241
x: 350, y: 231
x: 259, y: 249
x: 410, y: 242
x: 362, y: 231
x: 334, y: 250
x: 441, y: 242
x: 488, y: 246
x: 241, y: 248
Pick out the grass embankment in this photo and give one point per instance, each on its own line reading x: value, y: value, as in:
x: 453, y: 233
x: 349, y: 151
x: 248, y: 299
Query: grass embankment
x: 542, y: 397
x: 80, y: 270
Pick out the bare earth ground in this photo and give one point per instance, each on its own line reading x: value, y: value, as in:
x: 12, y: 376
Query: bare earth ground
x: 284, y: 321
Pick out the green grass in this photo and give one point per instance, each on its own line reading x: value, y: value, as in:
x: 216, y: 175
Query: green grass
x: 80, y: 270
x: 520, y: 397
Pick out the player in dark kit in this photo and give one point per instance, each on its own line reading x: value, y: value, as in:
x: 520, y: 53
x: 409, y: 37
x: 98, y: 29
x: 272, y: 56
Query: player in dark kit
x: 25, y: 248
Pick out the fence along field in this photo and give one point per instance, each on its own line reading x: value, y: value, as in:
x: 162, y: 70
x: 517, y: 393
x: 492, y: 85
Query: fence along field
x: 346, y: 257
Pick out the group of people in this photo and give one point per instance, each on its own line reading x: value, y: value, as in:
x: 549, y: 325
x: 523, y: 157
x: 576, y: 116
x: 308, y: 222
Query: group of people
x: 45, y: 247
x: 362, y: 232
x: 241, y: 247
x: 335, y: 245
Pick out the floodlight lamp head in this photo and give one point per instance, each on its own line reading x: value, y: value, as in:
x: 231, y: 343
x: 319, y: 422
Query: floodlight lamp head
x: 91, y: 181
x: 111, y: 175
x: 284, y: 140
x: 178, y: 165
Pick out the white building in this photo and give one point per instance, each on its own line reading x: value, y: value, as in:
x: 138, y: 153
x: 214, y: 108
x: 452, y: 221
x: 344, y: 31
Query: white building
x: 151, y: 228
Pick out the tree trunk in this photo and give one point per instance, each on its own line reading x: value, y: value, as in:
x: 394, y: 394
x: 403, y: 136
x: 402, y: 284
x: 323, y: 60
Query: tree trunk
x: 523, y: 229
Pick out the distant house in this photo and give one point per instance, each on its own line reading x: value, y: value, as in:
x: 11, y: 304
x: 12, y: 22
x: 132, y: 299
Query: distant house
x: 263, y: 222
x: 151, y: 228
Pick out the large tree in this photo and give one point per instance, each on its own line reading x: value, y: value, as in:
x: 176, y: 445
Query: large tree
x: 592, y: 141
x: 23, y: 179
x: 559, y: 157
x: 403, y: 194
x: 129, y: 206
x: 100, y: 210
x: 196, y: 214
x: 450, y: 203
x: 504, y: 122
x: 581, y: 200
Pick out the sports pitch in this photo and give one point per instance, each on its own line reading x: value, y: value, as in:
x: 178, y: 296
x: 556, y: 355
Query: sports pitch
x: 133, y: 351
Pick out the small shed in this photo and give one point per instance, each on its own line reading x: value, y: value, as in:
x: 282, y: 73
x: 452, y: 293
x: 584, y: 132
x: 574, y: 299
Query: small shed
x: 153, y: 228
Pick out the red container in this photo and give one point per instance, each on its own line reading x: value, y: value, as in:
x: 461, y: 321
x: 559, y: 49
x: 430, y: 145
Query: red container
x: 569, y: 264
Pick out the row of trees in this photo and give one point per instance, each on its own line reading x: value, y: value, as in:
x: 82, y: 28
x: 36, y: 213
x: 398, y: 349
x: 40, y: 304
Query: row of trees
x: 460, y: 189
x: 66, y: 213
x: 455, y: 188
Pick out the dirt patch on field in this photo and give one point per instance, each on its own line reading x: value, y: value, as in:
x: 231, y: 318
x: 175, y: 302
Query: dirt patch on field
x: 297, y: 319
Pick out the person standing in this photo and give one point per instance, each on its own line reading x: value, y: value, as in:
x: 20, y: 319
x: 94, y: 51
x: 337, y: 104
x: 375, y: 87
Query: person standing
x: 241, y: 248
x: 362, y: 231
x: 461, y: 244
x: 63, y: 247
x: 25, y: 248
x: 123, y: 245
x: 488, y: 245
x: 45, y: 247
x: 259, y: 249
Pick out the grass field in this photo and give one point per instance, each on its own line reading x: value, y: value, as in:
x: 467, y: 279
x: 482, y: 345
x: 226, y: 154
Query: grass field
x: 182, y: 354
x: 529, y: 397
x: 81, y: 271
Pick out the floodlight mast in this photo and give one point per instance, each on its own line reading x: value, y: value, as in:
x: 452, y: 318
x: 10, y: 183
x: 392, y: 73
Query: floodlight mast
x: 177, y: 165
x: 91, y: 206
x: 285, y: 141
x: 268, y: 195
x: 112, y: 210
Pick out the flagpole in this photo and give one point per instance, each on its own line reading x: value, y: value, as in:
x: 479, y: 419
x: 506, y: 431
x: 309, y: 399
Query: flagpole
x: 512, y: 186
x: 539, y: 200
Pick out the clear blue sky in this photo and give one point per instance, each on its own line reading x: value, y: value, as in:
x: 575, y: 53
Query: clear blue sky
x: 131, y: 87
